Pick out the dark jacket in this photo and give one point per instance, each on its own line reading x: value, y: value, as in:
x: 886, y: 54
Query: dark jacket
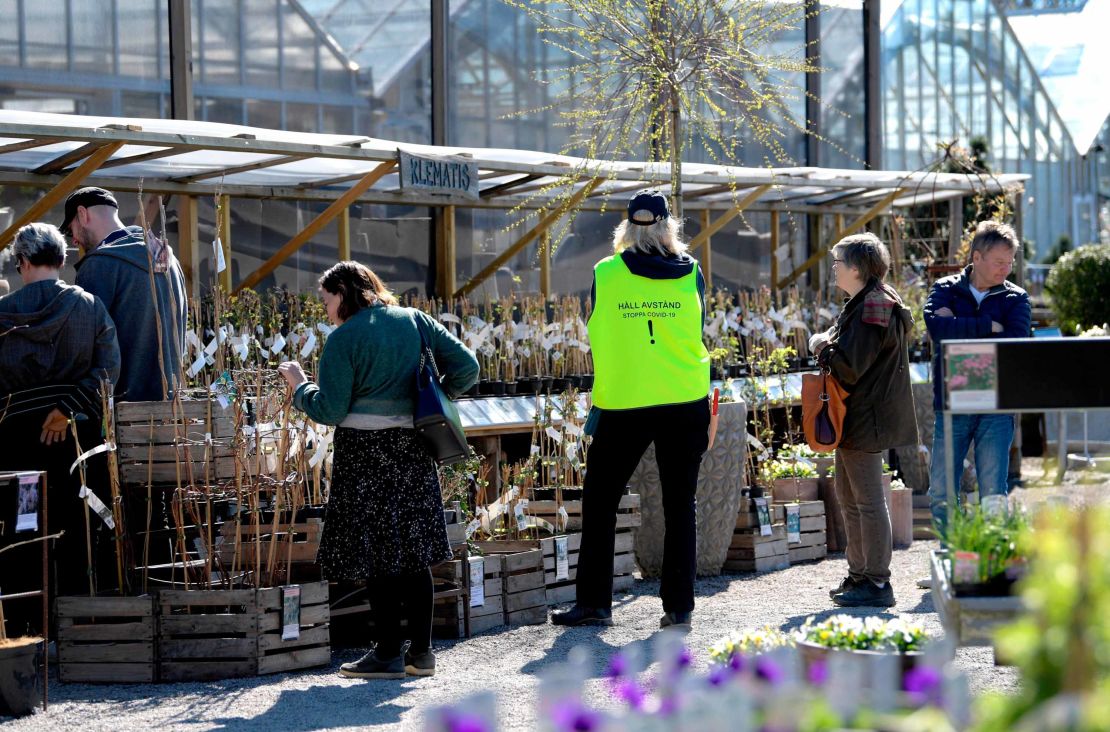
x: 867, y: 354
x: 118, y: 272
x: 54, y: 333
x: 1006, y: 304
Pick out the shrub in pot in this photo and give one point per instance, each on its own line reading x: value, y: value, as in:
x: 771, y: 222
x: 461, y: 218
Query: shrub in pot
x: 986, y: 548
x: 790, y: 480
x: 850, y: 634
x: 1077, y: 286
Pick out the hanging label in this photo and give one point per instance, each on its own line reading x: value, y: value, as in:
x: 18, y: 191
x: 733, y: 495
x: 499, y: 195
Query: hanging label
x: 98, y: 506
x: 106, y: 447
x: 198, y: 366
x: 764, y: 514
x: 553, y: 434
x: 562, y: 559
x: 477, y: 581
x: 564, y: 517
x: 291, y: 612
x: 278, y: 345
x: 793, y: 524
x: 473, y: 526
x: 518, y: 514
x: 218, y: 255
x: 309, y: 344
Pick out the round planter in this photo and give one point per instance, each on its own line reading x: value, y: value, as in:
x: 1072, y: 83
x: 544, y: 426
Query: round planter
x: 901, y: 517
x: 812, y: 653
x: 720, y: 480
x: 20, y: 676
x: 794, y: 489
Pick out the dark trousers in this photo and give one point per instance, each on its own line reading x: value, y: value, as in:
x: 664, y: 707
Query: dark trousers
x: 680, y: 434
x: 408, y: 597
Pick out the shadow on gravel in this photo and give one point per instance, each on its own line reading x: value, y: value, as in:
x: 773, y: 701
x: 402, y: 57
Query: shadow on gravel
x: 325, y: 707
x: 586, y: 637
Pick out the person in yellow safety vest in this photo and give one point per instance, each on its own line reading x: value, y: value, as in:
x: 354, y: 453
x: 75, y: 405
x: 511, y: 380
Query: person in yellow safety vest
x: 651, y: 384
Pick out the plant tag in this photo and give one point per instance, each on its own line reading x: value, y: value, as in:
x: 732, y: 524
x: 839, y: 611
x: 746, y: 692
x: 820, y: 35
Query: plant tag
x: 473, y: 526
x: 562, y: 558
x: 553, y: 434
x: 291, y: 612
x: 564, y: 517
x: 965, y: 568
x: 97, y: 506
x: 518, y: 514
x: 278, y: 345
x: 764, y: 514
x: 198, y: 365
x: 477, y: 581
x: 309, y: 344
x: 534, y: 450
x: 449, y: 318
x: 218, y: 255
x: 27, y: 514
x: 793, y: 524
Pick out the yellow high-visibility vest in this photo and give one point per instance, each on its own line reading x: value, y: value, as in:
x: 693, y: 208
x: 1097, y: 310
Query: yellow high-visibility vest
x: 645, y: 336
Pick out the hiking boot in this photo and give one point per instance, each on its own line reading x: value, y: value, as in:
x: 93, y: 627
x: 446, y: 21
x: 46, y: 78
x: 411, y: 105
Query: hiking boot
x: 845, y: 584
x: 681, y: 621
x: 579, y: 615
x: 420, y: 664
x: 866, y: 594
x: 372, y: 667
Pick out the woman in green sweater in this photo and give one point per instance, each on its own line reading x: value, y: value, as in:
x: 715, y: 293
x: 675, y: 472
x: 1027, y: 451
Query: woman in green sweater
x: 384, y: 518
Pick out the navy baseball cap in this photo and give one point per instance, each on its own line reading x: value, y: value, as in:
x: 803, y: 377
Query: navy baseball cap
x: 87, y: 197
x: 647, y: 207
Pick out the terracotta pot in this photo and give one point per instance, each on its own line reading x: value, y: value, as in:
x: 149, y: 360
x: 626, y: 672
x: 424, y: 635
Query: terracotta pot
x: 794, y: 489
x: 20, y: 676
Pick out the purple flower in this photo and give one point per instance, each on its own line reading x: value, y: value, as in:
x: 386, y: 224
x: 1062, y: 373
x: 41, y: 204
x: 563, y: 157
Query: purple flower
x: 736, y: 662
x: 769, y: 671
x: 573, y: 717
x: 459, y: 722
x: 817, y: 673
x: 923, y: 683
x: 630, y: 693
x: 618, y: 666
x: 685, y: 658
x: 668, y: 705
x: 718, y: 675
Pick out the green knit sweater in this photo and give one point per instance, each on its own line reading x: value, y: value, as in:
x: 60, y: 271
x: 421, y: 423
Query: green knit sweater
x: 369, y: 366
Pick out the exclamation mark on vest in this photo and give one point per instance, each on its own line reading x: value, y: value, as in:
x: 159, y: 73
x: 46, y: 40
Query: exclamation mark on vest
x: 651, y: 332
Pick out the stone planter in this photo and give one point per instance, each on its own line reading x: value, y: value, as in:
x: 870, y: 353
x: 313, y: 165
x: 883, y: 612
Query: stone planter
x: 813, y: 654
x: 786, y: 490
x: 719, y: 483
x: 20, y: 676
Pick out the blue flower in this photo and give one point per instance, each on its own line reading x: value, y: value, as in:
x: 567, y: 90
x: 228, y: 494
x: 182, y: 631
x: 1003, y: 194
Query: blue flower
x: 573, y: 717
x: 923, y: 683
x: 817, y: 673
x: 769, y: 671
x: 460, y: 722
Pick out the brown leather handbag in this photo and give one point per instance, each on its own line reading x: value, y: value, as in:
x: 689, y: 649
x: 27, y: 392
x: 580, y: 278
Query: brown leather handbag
x: 823, y: 410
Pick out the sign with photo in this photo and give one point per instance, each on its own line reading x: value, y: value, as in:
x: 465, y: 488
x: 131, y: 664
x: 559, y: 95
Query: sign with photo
x: 793, y: 523
x: 27, y: 513
x: 763, y: 511
x: 291, y: 612
x: 971, y: 376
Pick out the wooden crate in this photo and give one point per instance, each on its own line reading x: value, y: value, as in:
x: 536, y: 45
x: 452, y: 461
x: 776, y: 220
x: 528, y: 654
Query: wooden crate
x: 563, y: 590
x: 628, y: 512
x: 813, y: 544
x: 491, y: 613
x: 453, y: 593
x: 969, y: 621
x: 297, y: 543
x: 218, y: 634
x: 746, y: 517
x: 153, y: 432
x: 106, y: 639
x: 522, y: 576
x: 750, y: 551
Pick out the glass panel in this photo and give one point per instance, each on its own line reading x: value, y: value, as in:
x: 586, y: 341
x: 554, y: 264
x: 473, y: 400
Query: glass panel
x: 301, y: 117
x: 92, y: 35
x: 219, y: 40
x: 263, y: 114
x: 260, y: 26
x: 842, y: 120
x: 9, y: 33
x: 223, y: 110
x: 134, y: 104
x: 298, y: 50
x: 393, y: 241
x: 337, y: 120
x: 46, y: 35
x: 144, y: 33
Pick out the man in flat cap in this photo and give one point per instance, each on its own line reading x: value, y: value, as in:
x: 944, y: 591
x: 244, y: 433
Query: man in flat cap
x: 118, y: 265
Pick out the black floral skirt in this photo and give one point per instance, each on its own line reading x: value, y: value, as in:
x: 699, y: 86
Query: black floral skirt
x: 385, y: 513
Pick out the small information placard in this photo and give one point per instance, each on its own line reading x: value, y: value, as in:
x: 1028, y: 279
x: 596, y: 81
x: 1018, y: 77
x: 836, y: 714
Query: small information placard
x: 764, y: 513
x: 562, y: 558
x: 448, y: 175
x: 27, y: 514
x: 291, y: 612
x: 793, y: 523
x: 971, y: 375
x: 477, y: 581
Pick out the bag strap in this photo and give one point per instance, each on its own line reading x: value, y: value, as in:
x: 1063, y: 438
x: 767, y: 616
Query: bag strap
x: 426, y: 353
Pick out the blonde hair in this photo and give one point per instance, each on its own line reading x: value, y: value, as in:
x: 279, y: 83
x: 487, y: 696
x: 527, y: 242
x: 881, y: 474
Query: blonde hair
x: 663, y: 238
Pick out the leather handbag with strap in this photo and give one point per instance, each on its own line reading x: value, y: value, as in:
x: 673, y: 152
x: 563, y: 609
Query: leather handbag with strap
x: 436, y: 418
x: 823, y: 410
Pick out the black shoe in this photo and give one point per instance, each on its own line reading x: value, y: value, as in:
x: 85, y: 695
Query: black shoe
x: 420, y: 664
x: 372, y: 667
x: 676, y: 620
x: 845, y: 584
x: 579, y: 615
x: 866, y: 594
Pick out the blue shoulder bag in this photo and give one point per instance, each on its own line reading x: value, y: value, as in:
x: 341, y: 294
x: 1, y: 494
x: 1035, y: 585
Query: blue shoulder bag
x: 436, y: 418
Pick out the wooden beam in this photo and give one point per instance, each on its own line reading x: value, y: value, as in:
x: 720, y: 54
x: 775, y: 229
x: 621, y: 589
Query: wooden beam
x: 58, y: 193
x: 842, y: 231
x: 345, y: 235
x: 707, y: 255
x: 618, y: 191
x: 318, y: 223
x: 223, y: 172
x: 188, y: 243
x: 500, y: 188
x: 224, y: 224
x: 774, y: 250
x: 68, y: 158
x: 712, y: 190
x: 28, y: 145
x: 723, y: 219
x: 168, y: 152
x: 528, y: 238
x: 545, y: 264
x: 446, y: 280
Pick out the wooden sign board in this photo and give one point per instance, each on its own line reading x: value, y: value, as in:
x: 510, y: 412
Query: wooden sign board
x: 448, y: 175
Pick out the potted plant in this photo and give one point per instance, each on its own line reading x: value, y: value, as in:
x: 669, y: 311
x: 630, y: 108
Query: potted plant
x: 790, y: 480
x: 750, y: 642
x: 986, y: 550
x: 863, y: 636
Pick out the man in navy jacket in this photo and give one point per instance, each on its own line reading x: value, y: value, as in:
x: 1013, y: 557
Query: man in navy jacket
x: 977, y: 303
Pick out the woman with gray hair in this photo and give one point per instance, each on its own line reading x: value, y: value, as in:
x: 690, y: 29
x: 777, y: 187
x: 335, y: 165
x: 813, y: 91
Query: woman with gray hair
x: 651, y: 384
x: 56, y: 343
x: 866, y: 351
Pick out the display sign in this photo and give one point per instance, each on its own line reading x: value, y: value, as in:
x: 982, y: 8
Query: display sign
x: 477, y: 581
x: 971, y: 375
x: 291, y: 612
x: 449, y: 175
x: 793, y: 523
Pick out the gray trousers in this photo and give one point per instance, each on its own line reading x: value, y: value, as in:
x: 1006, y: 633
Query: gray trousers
x: 863, y: 501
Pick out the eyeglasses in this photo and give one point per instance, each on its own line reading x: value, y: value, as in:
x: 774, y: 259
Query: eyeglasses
x: 838, y: 261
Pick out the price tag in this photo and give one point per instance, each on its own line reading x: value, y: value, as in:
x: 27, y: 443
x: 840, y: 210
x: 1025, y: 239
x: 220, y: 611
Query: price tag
x: 764, y: 514
x: 477, y: 581
x: 562, y: 558
x: 521, y: 519
x: 793, y: 524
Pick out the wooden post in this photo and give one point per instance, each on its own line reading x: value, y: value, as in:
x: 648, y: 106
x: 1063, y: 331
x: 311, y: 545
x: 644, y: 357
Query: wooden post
x: 895, y: 250
x: 225, y: 241
x: 318, y: 223
x: 545, y: 264
x: 707, y: 256
x: 446, y: 278
x: 58, y: 193
x: 188, y: 251
x: 955, y: 227
x: 345, y: 235
x: 774, y: 250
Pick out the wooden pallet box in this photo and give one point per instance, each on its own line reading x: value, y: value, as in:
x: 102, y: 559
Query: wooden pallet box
x: 106, y: 639
x: 522, y: 580
x: 296, y: 543
x: 454, y: 594
x: 751, y: 551
x: 628, y: 513
x: 813, y: 535
x: 490, y: 613
x: 218, y: 634
x: 561, y: 589
x: 156, y: 439
x: 969, y: 621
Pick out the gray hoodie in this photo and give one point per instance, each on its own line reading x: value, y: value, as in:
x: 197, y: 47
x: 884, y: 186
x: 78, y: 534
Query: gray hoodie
x: 118, y: 272
x: 54, y: 333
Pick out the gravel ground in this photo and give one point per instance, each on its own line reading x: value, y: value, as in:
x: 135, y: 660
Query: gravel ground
x: 509, y: 660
